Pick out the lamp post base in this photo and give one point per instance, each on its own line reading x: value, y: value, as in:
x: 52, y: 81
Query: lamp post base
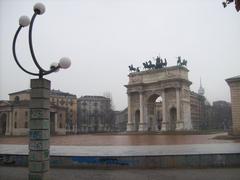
x: 39, y: 129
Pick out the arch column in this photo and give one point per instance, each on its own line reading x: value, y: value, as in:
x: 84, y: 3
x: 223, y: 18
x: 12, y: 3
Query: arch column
x: 179, y: 123
x: 164, y: 123
x: 142, y: 124
x: 130, y: 124
x: 56, y: 122
x: 10, y: 117
x: 7, y: 126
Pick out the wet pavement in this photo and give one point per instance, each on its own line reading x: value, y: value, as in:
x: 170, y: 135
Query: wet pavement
x: 21, y: 173
x: 125, y: 140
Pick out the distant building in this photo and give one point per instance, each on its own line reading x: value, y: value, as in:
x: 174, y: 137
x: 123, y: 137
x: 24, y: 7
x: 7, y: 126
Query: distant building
x: 15, y: 115
x: 95, y: 114
x: 197, y: 102
x: 198, y: 108
x: 121, y: 120
x: 204, y: 116
x: 201, y: 90
x: 68, y: 101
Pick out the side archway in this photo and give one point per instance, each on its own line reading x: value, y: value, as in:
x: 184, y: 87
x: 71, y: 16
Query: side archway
x: 3, y: 123
x: 137, y: 119
x: 173, y: 118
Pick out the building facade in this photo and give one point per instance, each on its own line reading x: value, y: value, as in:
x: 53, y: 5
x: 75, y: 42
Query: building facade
x: 121, y: 120
x: 14, y: 114
x: 234, y: 84
x: 95, y: 114
x: 68, y: 101
x: 204, y: 116
x: 198, y: 114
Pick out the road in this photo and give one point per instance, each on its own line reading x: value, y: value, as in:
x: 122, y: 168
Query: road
x: 20, y: 173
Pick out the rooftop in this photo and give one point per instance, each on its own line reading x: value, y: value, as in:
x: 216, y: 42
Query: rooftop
x: 93, y: 97
x: 232, y: 79
x: 53, y: 92
x: 60, y: 93
x: 21, y: 92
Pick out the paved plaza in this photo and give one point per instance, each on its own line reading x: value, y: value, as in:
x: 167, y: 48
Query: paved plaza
x: 155, y: 147
x: 208, y: 151
x: 125, y: 139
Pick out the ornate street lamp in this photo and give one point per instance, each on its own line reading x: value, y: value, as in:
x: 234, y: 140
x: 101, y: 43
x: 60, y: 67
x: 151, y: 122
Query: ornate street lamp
x: 40, y: 104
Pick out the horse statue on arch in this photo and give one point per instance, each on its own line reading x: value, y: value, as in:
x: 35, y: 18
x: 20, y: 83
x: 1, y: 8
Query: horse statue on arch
x: 181, y: 62
x: 133, y: 69
x: 151, y: 65
x: 184, y: 63
x: 159, y: 63
x: 145, y: 65
x: 164, y: 63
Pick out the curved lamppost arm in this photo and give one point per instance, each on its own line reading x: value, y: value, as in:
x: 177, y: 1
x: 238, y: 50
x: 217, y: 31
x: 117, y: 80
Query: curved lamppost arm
x: 14, y: 52
x: 31, y: 46
x: 24, y: 21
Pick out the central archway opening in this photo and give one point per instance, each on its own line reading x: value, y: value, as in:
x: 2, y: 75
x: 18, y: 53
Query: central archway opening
x: 154, y: 112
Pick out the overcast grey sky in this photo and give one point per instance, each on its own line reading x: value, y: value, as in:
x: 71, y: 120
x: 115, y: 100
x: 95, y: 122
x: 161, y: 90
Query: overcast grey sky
x: 103, y: 37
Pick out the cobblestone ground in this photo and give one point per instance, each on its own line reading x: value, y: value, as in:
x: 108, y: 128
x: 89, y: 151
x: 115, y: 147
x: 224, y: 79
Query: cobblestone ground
x: 20, y: 173
x: 133, y: 139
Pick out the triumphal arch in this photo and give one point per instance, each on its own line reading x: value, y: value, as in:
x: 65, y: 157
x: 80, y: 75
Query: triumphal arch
x: 159, y: 99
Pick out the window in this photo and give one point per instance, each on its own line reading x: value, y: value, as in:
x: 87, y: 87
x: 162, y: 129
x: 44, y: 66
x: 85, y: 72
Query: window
x: 26, y: 124
x: 15, y: 124
x: 71, y: 102
x: 16, y: 98
x: 62, y: 102
x: 26, y: 113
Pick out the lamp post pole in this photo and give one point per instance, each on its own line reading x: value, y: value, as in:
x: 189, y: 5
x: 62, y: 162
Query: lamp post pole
x: 39, y: 132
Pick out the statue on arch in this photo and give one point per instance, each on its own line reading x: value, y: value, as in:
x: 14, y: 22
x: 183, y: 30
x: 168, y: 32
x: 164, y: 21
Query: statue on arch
x: 181, y: 62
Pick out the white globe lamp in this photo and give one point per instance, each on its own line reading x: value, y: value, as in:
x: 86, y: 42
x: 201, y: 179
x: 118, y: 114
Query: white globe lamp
x: 64, y: 63
x: 24, y: 21
x: 39, y: 8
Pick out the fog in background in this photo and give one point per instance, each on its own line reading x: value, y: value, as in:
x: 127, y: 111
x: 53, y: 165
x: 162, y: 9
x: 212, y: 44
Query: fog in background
x: 103, y: 37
